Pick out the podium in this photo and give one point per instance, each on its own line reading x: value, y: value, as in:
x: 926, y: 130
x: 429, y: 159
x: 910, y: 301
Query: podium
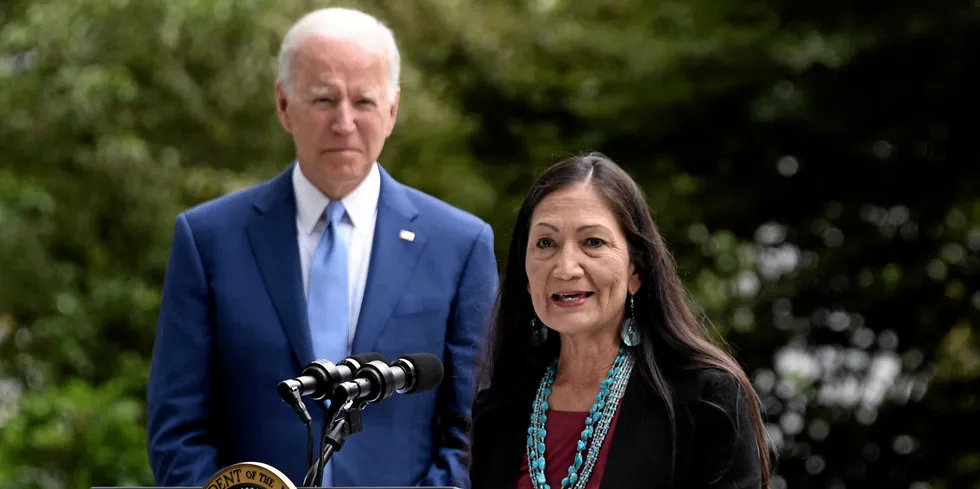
x: 253, y: 475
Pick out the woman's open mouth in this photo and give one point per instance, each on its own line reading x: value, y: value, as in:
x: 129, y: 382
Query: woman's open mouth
x: 571, y: 298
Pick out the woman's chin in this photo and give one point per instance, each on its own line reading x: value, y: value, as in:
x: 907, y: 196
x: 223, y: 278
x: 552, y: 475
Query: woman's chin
x: 572, y: 327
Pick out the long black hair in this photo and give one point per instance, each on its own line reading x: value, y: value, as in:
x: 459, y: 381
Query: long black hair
x: 669, y: 332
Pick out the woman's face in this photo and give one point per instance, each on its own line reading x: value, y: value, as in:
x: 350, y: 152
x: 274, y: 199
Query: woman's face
x: 577, y: 263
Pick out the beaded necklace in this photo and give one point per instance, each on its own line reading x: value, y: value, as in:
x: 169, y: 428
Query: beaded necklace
x: 596, y: 424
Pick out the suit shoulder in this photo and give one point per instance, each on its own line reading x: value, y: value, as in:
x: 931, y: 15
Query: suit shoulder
x: 709, y: 384
x: 229, y: 208
x: 447, y: 216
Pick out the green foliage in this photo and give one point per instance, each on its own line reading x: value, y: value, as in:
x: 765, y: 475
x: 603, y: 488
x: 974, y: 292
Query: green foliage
x: 795, y: 157
x: 76, y: 435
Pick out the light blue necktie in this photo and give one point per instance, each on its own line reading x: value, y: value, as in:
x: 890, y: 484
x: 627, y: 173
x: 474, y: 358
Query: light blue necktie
x: 328, y: 300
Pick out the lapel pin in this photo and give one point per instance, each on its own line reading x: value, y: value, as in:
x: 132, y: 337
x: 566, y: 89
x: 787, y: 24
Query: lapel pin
x: 406, y: 235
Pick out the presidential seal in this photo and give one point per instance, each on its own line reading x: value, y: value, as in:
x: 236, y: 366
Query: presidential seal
x: 249, y: 475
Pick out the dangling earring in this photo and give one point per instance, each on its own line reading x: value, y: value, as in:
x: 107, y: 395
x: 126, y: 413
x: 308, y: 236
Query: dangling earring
x: 629, y: 334
x: 539, y: 332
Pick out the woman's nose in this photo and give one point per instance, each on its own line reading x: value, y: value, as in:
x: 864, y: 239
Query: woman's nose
x: 569, y: 265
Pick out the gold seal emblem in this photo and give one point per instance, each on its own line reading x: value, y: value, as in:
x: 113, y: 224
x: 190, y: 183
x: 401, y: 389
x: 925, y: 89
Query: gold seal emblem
x: 249, y: 475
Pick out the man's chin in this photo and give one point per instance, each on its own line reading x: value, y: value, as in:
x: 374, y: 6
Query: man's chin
x: 343, y: 163
x: 342, y: 171
x: 342, y: 153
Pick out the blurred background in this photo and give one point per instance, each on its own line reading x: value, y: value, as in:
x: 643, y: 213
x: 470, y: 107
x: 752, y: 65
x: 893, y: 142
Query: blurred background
x: 798, y: 156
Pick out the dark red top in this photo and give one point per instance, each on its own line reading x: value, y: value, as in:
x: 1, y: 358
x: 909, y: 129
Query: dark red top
x: 564, y: 429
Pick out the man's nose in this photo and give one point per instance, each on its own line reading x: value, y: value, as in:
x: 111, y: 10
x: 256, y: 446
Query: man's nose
x: 343, y: 119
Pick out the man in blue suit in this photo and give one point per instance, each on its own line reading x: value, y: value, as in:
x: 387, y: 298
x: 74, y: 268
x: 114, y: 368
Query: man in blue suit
x: 331, y: 258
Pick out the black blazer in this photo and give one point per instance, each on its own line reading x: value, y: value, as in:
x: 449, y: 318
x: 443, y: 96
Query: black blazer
x: 715, y: 443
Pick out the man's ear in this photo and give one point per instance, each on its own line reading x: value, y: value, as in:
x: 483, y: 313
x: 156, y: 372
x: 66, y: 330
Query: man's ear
x: 282, y: 106
x: 394, y: 111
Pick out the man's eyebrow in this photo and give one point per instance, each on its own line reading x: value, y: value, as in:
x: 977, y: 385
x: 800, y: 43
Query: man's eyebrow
x: 320, y: 91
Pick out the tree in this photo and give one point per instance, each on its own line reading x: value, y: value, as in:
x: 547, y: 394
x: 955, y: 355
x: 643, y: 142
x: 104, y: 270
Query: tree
x: 797, y: 157
x: 799, y: 163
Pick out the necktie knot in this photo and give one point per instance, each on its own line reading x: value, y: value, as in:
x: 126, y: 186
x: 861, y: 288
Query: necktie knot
x: 335, y: 212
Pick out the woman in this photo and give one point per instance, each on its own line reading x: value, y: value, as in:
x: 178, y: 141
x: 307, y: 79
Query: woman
x: 598, y: 374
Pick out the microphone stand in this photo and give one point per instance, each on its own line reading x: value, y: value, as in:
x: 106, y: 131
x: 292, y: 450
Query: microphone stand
x: 334, y: 437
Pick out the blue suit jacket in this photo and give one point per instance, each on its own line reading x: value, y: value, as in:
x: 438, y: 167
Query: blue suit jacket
x: 233, y: 325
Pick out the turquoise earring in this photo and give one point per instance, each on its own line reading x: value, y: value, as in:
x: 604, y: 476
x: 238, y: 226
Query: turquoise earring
x: 628, y: 333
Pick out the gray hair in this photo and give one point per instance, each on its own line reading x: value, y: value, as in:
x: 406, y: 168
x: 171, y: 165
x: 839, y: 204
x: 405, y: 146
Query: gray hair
x: 346, y: 24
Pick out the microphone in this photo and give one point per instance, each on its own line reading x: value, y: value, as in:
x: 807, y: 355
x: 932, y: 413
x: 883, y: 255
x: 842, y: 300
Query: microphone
x: 376, y: 381
x: 318, y: 379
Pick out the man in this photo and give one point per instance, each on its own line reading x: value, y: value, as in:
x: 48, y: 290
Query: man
x: 331, y: 258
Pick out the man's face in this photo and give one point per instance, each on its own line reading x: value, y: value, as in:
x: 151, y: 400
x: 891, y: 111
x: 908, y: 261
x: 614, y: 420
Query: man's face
x: 338, y: 111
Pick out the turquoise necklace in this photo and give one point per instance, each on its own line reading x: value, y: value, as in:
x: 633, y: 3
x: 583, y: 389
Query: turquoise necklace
x: 596, y: 424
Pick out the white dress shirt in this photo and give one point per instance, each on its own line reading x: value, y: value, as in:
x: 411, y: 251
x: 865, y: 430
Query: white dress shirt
x: 357, y: 230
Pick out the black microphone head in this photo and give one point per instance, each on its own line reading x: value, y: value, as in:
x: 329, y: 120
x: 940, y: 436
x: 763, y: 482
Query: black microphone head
x: 322, y: 370
x: 364, y: 358
x: 427, y: 369
x: 289, y: 390
x: 325, y: 374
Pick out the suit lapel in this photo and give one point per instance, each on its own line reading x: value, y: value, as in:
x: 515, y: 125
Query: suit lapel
x: 272, y: 235
x: 637, y: 457
x: 393, y: 258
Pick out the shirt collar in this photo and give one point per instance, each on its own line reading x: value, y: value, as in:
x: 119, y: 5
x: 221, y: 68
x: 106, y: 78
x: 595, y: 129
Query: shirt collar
x: 361, y: 203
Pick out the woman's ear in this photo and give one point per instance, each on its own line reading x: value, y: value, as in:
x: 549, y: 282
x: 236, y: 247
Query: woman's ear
x: 634, y: 281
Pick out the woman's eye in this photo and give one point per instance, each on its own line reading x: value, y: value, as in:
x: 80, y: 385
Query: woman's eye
x: 544, y: 242
x: 594, y: 242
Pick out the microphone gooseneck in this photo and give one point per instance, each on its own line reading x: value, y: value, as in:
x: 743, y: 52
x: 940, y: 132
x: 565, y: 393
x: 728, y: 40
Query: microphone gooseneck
x: 317, y: 381
x: 349, y: 386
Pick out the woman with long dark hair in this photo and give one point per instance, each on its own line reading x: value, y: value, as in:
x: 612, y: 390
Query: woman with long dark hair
x: 597, y: 373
